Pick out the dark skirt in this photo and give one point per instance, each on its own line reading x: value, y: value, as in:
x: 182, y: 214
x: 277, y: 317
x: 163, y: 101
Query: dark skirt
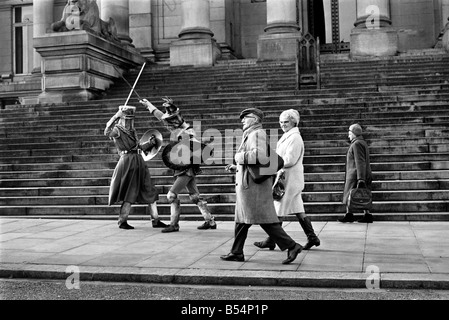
x: 131, y: 181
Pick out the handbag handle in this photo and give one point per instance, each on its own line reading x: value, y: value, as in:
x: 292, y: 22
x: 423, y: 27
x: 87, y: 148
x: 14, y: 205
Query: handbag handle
x: 360, y: 182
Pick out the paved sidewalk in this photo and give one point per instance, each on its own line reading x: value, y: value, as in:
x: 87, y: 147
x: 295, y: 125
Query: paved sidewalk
x: 383, y: 254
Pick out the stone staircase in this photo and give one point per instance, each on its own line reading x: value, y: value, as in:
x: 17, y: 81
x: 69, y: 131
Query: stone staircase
x: 55, y: 161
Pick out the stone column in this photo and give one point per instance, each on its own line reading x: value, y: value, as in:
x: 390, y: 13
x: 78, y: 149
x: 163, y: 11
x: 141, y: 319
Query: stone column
x: 140, y: 27
x: 119, y: 11
x: 373, y: 35
x: 281, y: 16
x: 196, y: 45
x: 42, y: 19
x: 282, y: 31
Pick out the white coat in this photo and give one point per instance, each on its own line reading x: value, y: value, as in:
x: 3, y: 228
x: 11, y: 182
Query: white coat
x: 291, y: 148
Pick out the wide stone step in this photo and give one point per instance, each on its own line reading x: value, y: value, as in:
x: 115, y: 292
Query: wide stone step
x: 310, y: 186
x: 392, y: 207
x: 309, y: 116
x: 229, y: 198
x: 214, y: 172
x: 159, y: 168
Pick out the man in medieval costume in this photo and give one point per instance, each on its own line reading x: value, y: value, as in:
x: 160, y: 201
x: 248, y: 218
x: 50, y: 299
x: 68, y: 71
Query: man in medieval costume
x: 185, y: 176
x: 131, y: 180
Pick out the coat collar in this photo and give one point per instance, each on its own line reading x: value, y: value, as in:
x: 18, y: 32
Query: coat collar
x: 357, y: 138
x: 289, y: 133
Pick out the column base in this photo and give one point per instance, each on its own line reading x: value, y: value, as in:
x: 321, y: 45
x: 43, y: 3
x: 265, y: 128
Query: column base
x: 277, y: 47
x: 374, y: 42
x: 194, y: 52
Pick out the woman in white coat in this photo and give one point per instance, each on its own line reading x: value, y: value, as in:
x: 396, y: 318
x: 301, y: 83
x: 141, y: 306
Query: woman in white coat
x: 291, y: 148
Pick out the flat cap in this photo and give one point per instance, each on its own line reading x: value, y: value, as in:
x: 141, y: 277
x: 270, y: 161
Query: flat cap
x: 255, y: 111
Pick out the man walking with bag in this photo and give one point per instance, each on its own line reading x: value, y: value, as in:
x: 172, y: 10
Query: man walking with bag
x: 254, y: 201
x: 358, y: 171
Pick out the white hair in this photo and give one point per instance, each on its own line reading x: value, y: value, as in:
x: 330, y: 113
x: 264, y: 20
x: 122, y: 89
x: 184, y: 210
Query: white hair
x: 291, y: 114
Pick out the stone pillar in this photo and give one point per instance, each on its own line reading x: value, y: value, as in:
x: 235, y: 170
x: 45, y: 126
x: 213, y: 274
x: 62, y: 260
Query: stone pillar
x: 373, y: 34
x: 196, y: 45
x: 281, y: 32
x: 119, y: 11
x: 140, y: 27
x: 281, y: 16
x: 42, y: 19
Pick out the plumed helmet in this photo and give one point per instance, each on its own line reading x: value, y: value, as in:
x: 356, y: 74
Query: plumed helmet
x: 171, y: 110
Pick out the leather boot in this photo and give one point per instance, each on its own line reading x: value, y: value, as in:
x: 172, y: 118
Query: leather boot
x: 349, y: 217
x: 312, y: 239
x: 367, y: 218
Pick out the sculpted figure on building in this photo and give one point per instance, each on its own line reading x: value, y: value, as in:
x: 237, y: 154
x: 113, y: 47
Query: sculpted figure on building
x: 85, y: 15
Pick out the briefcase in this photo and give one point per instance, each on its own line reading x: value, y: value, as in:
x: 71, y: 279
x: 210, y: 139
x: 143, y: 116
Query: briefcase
x: 360, y: 199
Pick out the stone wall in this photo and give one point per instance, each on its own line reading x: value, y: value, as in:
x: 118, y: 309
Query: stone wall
x: 415, y: 21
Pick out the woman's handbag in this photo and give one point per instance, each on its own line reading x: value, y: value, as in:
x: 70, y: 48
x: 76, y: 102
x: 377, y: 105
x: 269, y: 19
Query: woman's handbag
x: 279, y: 187
x: 360, y: 198
x: 261, y: 172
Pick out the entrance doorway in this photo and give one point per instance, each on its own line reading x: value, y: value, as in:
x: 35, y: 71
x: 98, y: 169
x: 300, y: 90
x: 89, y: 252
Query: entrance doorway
x: 317, y: 23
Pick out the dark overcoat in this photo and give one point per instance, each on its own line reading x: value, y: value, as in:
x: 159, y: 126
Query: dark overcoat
x: 358, y: 166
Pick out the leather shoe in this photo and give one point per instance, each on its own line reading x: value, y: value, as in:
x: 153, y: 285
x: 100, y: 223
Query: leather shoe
x: 159, y: 224
x: 233, y: 257
x: 312, y: 242
x: 170, y: 228
x: 265, y: 244
x: 367, y: 218
x: 208, y: 225
x: 293, y: 253
x: 349, y: 217
x: 125, y: 225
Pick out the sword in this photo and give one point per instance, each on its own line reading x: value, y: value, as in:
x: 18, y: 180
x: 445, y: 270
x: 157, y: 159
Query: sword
x: 135, y: 82
x: 138, y: 96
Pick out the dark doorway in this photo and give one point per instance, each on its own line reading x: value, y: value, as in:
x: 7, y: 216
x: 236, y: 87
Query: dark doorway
x: 317, y: 25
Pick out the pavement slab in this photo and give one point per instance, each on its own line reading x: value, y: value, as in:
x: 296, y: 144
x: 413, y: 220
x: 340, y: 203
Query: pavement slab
x: 412, y: 255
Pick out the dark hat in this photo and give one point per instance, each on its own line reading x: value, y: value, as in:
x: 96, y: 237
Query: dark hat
x: 255, y: 111
x: 356, y: 129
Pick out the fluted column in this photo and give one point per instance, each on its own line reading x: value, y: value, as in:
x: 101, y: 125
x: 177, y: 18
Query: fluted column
x: 119, y: 11
x: 42, y: 19
x: 281, y: 16
x: 373, y: 34
x: 195, y: 19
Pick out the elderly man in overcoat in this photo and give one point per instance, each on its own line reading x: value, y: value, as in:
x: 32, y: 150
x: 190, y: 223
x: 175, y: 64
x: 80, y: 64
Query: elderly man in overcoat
x: 254, y: 201
x: 358, y: 171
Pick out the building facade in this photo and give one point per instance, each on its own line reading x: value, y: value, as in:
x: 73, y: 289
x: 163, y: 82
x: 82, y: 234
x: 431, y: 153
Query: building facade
x: 198, y: 32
